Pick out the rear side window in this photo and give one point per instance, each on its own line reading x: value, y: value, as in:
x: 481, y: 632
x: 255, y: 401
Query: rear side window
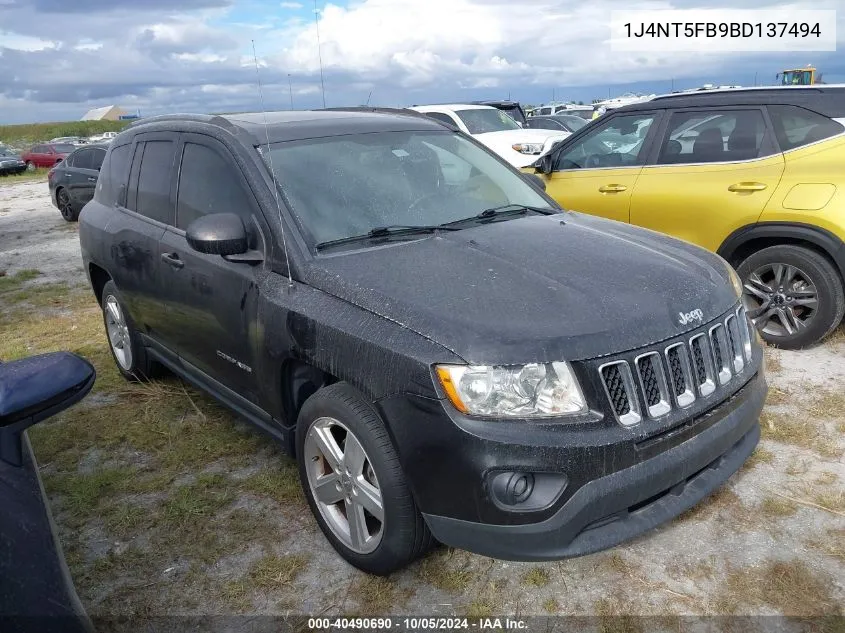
x: 796, y: 126
x: 208, y: 184
x: 80, y: 159
x: 97, y: 157
x: 153, y: 198
x: 712, y: 136
x: 445, y: 118
x: 113, y: 174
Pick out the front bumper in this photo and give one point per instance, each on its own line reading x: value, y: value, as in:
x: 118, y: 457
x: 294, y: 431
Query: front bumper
x: 12, y: 169
x: 619, y: 506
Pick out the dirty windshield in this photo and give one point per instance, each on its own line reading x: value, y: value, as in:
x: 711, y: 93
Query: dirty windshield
x: 346, y: 186
x: 483, y: 120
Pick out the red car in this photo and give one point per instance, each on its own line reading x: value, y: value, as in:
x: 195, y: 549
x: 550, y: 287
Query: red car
x: 46, y: 154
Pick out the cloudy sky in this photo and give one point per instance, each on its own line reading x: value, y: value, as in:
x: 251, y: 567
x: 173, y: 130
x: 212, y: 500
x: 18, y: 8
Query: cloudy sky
x: 58, y: 58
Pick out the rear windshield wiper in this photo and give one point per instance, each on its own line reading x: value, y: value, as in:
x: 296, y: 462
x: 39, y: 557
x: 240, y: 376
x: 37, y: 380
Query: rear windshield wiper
x: 505, y: 209
x: 385, y: 231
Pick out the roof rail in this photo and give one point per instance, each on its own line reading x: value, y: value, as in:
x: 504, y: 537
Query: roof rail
x: 377, y: 109
x: 720, y: 90
x: 201, y: 118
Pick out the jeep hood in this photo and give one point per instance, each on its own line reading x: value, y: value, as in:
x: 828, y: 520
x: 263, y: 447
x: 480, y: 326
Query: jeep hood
x: 538, y: 288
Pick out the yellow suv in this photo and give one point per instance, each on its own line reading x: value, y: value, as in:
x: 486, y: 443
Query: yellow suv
x: 756, y: 175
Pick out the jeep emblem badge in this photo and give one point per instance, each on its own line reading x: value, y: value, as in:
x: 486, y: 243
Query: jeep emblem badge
x: 689, y: 317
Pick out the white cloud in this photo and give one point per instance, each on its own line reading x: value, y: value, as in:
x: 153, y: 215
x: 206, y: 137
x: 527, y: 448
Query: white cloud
x: 88, y: 45
x: 26, y: 43
x: 483, y: 43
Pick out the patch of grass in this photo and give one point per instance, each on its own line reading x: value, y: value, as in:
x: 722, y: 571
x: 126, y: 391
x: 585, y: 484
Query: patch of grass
x: 23, y: 135
x: 550, y: 605
x: 377, y: 595
x: 773, y: 361
x: 831, y: 544
x: 208, y: 495
x: 777, y: 397
x: 614, y: 617
x: 777, y: 507
x: 280, y: 483
x: 236, y: 596
x: 271, y: 572
x: 828, y: 404
x: 82, y: 493
x: 436, y: 570
x: 831, y: 499
x: 790, y: 587
x: 535, y: 577
x: 803, y: 433
x: 724, y: 504
x: 827, y: 478
x: 18, y: 279
x: 122, y: 519
x: 759, y: 456
x: 486, y: 604
x: 837, y: 338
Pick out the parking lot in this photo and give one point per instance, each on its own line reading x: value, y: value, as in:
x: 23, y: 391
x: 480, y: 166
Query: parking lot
x: 166, y: 504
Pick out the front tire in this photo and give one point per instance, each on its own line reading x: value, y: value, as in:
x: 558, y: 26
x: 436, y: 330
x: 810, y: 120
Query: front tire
x: 793, y: 294
x: 128, y: 352
x: 354, y: 483
x: 30, y: 166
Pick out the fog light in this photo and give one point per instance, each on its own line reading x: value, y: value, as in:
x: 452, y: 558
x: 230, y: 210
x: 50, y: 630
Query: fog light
x: 513, y: 488
x: 525, y: 491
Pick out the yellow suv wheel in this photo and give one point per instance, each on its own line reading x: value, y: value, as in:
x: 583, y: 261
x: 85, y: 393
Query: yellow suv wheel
x: 793, y: 294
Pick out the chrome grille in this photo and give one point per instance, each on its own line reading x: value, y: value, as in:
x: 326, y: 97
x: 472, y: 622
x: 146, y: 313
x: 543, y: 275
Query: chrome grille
x: 619, y: 386
x: 680, y: 373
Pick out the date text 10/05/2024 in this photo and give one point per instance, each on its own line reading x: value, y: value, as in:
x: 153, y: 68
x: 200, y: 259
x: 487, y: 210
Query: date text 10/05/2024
x: 418, y: 624
x: 722, y: 29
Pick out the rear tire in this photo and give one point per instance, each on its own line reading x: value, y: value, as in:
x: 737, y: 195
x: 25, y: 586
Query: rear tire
x: 338, y: 421
x: 794, y: 295
x: 128, y: 352
x: 65, y: 205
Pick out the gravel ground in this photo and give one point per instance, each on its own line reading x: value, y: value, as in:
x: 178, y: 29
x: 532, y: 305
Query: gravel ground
x: 770, y: 542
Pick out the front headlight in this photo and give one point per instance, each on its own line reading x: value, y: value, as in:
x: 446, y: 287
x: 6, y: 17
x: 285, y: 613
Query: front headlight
x: 736, y: 282
x: 535, y: 390
x: 528, y: 148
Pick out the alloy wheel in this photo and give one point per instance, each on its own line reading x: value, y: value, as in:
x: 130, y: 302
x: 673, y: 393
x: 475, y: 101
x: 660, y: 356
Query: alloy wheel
x: 65, y: 206
x: 118, y: 332
x: 780, y: 299
x: 344, y: 485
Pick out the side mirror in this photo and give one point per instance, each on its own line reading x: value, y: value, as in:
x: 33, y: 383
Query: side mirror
x: 545, y: 164
x: 218, y: 234
x: 536, y: 180
x: 33, y: 389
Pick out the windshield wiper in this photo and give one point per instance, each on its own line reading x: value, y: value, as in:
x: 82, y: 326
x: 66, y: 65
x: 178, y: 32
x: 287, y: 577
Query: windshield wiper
x: 505, y: 209
x: 385, y: 231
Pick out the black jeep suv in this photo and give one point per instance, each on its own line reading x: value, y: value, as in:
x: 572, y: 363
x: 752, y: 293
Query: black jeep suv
x: 447, y: 353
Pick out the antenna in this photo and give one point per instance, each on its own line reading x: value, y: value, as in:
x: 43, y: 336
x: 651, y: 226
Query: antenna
x: 272, y: 171
x: 319, y: 52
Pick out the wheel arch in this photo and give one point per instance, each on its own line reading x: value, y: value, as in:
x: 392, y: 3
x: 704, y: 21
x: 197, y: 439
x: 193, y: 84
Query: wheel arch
x: 299, y: 380
x: 749, y: 239
x: 99, y: 278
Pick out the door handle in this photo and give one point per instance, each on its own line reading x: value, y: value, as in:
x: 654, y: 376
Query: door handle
x: 747, y: 186
x: 172, y: 259
x: 67, y: 175
x: 612, y: 188
x: 92, y: 179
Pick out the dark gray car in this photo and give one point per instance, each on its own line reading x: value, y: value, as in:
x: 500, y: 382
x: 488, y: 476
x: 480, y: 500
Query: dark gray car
x: 72, y: 182
x: 448, y: 354
x: 10, y: 162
